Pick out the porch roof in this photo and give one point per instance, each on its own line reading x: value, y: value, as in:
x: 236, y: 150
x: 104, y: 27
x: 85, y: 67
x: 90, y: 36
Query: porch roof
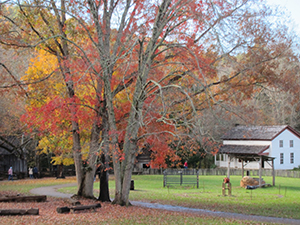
x: 244, y: 149
x: 246, y: 152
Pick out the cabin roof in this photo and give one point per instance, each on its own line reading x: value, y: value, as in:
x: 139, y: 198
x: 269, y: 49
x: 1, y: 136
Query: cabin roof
x: 256, y: 132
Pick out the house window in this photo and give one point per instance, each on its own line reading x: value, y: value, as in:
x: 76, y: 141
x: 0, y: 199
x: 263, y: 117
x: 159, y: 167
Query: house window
x: 291, y: 143
x: 292, y: 157
x: 281, y: 158
x: 281, y: 143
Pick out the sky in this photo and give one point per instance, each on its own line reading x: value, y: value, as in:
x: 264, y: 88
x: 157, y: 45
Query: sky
x: 293, y: 7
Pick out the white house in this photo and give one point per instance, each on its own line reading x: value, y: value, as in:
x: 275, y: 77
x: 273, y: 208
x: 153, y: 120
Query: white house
x: 245, y: 146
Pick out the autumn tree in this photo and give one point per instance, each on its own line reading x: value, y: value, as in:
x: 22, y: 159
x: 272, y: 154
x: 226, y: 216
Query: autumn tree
x: 154, y: 66
x: 37, y: 26
x: 171, y: 46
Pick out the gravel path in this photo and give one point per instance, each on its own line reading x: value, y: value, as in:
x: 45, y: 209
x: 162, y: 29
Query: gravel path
x: 51, y: 191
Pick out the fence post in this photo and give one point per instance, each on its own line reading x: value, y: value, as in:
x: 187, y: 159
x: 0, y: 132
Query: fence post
x: 181, y: 178
x: 197, y: 180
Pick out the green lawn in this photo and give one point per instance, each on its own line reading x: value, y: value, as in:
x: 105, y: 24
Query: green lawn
x: 108, y: 214
x: 25, y: 185
x: 283, y: 200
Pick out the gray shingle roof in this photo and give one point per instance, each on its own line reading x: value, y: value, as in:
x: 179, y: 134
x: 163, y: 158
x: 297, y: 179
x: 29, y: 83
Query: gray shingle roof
x: 4, y: 146
x: 243, y: 149
x: 254, y: 132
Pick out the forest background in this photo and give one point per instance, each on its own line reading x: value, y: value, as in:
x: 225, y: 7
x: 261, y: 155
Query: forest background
x: 94, y: 83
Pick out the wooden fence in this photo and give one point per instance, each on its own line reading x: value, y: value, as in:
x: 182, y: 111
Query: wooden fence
x: 222, y: 172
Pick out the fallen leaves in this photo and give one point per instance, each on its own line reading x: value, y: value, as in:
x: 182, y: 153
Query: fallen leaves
x: 107, y: 214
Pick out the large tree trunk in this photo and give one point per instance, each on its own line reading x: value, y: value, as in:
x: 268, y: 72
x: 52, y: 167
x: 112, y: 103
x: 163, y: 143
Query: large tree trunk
x: 104, y: 174
x: 130, y: 142
x: 63, y: 57
x: 103, y: 178
x: 86, y: 186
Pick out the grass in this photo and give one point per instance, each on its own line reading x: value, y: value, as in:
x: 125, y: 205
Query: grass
x: 107, y: 214
x: 25, y: 185
x: 282, y: 200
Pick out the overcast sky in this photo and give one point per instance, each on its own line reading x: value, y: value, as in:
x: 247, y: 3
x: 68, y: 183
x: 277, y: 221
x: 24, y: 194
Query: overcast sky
x: 293, y: 6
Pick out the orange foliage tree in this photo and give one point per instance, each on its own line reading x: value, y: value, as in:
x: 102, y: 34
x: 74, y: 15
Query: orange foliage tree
x: 144, y: 69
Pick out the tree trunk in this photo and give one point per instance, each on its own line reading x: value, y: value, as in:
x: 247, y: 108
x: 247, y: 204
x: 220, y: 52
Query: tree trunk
x: 63, y: 57
x: 86, y: 185
x: 104, y: 188
x: 104, y: 174
x: 127, y: 180
x: 104, y: 178
x: 61, y: 171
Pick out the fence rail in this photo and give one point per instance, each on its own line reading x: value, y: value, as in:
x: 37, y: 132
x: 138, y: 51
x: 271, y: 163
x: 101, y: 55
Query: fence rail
x: 222, y: 172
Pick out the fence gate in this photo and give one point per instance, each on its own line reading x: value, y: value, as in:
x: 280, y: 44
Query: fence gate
x: 185, y: 176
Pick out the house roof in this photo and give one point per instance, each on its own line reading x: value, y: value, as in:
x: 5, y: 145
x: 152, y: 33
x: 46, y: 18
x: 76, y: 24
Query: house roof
x: 244, y: 149
x: 256, y: 132
x: 8, y: 145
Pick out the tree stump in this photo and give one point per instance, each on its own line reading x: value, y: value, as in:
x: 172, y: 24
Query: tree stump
x: 71, y: 201
x: 14, y: 212
x: 77, y: 208
x: 34, y: 198
x: 132, y: 185
x: 84, y: 207
x: 63, y: 209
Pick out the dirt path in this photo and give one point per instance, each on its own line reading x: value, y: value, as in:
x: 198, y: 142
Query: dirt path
x: 52, y: 191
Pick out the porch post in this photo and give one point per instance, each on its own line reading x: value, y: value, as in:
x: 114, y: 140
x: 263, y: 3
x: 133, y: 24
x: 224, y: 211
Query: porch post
x: 242, y: 168
x: 260, y: 168
x: 273, y: 172
x: 228, y: 168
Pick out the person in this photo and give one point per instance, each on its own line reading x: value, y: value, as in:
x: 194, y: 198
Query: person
x: 35, y: 172
x: 185, y: 165
x: 30, y: 173
x: 10, y: 173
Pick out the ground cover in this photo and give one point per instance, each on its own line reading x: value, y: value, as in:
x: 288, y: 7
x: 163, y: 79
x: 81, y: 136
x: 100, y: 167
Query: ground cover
x: 25, y: 185
x: 283, y: 200
x: 107, y: 214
